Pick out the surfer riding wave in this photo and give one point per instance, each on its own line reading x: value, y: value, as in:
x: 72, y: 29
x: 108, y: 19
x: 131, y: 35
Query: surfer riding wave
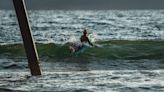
x: 83, y: 41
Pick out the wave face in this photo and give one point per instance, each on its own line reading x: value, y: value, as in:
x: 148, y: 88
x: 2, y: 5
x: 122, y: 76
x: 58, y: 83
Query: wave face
x: 105, y: 50
x: 53, y: 26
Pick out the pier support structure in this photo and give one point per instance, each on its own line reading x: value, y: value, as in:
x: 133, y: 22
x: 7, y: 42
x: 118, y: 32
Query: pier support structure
x: 29, y: 44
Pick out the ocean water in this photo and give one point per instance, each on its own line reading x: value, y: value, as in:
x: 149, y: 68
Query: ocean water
x: 128, y: 56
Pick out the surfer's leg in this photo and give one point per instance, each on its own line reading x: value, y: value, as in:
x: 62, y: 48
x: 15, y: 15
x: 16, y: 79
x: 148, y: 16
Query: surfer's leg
x: 79, y: 50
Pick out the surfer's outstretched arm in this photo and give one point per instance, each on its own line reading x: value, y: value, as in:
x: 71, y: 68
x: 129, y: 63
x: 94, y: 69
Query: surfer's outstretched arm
x: 90, y: 42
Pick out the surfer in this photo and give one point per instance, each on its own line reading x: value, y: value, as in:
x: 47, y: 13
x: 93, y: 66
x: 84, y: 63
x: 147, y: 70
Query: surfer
x: 83, y: 39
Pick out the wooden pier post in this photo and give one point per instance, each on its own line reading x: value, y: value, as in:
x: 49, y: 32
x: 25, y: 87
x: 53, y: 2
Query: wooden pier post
x: 29, y: 45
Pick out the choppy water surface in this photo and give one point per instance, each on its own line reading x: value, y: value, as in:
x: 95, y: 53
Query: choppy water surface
x: 89, y: 81
x: 129, y: 56
x: 63, y: 26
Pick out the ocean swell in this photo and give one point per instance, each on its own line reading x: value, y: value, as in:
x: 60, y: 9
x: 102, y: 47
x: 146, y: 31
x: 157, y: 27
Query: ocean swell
x: 116, y: 49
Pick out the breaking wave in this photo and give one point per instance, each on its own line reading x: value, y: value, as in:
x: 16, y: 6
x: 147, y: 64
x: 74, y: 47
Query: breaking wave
x: 115, y: 49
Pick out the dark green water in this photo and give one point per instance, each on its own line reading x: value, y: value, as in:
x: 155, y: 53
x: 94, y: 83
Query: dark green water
x: 106, y: 50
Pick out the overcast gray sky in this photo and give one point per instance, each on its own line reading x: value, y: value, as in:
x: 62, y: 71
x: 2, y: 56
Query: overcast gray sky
x: 87, y: 4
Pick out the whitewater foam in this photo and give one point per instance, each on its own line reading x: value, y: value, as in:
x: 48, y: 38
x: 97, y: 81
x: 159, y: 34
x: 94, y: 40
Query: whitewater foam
x: 106, y: 25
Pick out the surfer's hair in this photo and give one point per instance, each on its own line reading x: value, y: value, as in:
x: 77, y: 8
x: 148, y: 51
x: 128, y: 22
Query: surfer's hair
x: 85, y: 31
